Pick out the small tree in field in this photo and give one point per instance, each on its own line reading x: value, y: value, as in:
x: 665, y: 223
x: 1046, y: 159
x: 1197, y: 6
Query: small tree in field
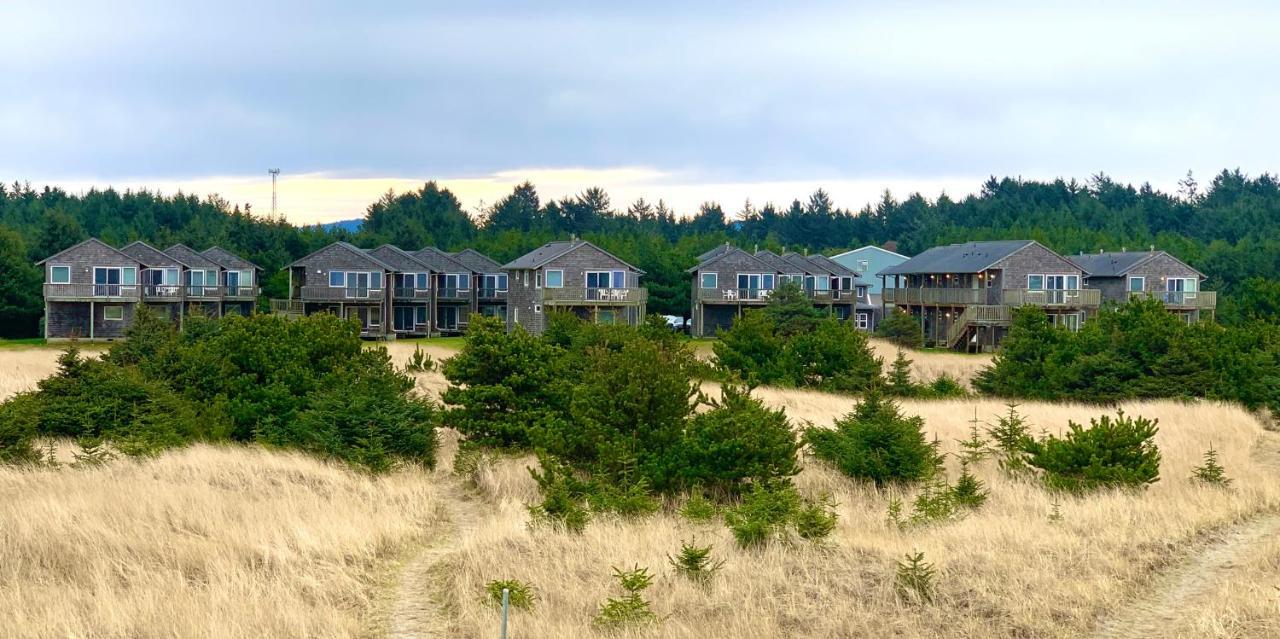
x: 737, y: 440
x: 1110, y: 453
x: 876, y: 443
x: 1211, y: 471
x: 902, y: 329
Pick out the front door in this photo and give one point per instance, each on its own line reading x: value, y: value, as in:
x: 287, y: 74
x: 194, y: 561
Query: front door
x: 106, y: 282
x: 404, y: 318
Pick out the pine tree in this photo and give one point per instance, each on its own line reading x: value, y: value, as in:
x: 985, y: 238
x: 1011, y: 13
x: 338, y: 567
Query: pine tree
x: 974, y: 449
x: 899, y: 382
x: 914, y: 579
x: 969, y: 491
x: 1012, y: 434
x: 1211, y: 471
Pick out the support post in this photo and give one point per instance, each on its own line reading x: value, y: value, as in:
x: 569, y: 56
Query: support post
x: 506, y: 606
x: 92, y: 320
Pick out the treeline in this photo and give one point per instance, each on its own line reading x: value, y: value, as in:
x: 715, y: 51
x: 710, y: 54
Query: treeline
x: 1228, y: 228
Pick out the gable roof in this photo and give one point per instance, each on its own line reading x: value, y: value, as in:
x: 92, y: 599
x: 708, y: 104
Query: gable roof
x: 227, y: 258
x: 551, y: 250
x: 439, y: 261
x: 92, y: 240
x: 835, y: 267
x: 803, y: 263
x: 350, y: 248
x: 772, y: 260
x: 719, y: 250
x: 871, y: 247
x: 398, y: 258
x: 190, y: 257
x: 702, y: 264
x: 148, y: 255
x: 476, y: 261
x: 1118, y: 263
x: 969, y: 257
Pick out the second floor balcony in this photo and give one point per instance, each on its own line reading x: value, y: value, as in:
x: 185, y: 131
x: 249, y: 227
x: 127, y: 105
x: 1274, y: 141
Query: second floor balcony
x: 491, y: 294
x: 340, y: 294
x: 94, y: 292
x: 453, y: 293
x: 1185, y: 300
x: 1053, y: 298
x: 422, y: 294
x: 240, y: 292
x: 570, y: 295
x: 1044, y: 298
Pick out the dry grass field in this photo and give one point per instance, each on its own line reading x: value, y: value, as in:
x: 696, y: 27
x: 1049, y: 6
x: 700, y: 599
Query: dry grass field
x: 238, y: 542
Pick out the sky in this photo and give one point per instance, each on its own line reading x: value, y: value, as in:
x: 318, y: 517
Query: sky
x: 681, y: 101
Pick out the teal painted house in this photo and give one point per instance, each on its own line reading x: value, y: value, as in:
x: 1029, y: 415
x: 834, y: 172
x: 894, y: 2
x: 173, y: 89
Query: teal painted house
x: 867, y: 261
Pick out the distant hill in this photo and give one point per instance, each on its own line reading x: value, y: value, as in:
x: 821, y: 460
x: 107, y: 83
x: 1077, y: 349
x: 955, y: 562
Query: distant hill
x: 346, y: 225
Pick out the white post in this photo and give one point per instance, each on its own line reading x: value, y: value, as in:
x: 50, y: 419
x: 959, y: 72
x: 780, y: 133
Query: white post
x: 506, y: 601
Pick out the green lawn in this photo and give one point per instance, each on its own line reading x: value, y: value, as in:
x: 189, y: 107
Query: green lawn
x: 25, y: 342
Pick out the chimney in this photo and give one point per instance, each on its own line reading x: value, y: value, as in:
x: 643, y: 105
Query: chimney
x: 891, y: 245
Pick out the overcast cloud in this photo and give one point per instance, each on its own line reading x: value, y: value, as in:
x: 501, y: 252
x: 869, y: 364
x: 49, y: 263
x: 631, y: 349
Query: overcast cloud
x: 687, y: 101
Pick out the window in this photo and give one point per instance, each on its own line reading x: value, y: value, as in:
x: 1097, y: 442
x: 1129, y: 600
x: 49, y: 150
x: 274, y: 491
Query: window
x: 1180, y: 284
x: 421, y: 281
x: 537, y: 279
x: 555, y: 279
x: 463, y: 281
x: 1137, y: 284
x: 375, y: 280
x: 767, y: 281
x: 599, y: 279
x: 525, y: 278
x: 375, y: 316
x: 60, y: 274
x: 537, y: 308
x: 710, y: 280
x: 808, y: 282
x: 619, y: 279
x: 863, y: 321
x: 113, y: 313
x: 824, y: 282
x: 337, y: 279
x: 106, y: 281
x: 129, y: 276
x: 420, y: 315
x: 1035, y: 282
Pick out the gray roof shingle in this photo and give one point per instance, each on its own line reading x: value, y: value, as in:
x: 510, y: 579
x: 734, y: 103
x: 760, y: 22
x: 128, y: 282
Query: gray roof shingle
x: 835, y: 267
x: 702, y: 264
x: 775, y: 262
x: 399, y: 259
x: 190, y: 257
x: 715, y: 252
x: 439, y: 261
x: 227, y: 258
x: 551, y: 250
x: 350, y: 248
x: 1111, y: 264
x: 969, y: 257
x: 149, y: 256
x: 476, y: 261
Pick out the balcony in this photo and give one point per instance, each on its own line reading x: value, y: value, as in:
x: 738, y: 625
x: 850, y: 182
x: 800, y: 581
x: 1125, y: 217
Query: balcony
x: 162, y: 293
x: 935, y: 296
x: 1182, y: 300
x: 458, y: 294
x: 95, y: 292
x: 734, y: 295
x: 288, y: 307
x: 492, y: 294
x: 573, y: 295
x: 1053, y: 298
x: 240, y: 292
x: 340, y: 294
x: 423, y: 294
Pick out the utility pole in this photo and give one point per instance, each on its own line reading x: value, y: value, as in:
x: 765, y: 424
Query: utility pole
x: 274, y: 174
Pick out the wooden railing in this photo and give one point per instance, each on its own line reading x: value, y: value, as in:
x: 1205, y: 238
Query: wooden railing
x: 240, y: 292
x: 111, y: 292
x: 454, y: 293
x: 935, y: 296
x: 1053, y: 298
x: 412, y: 293
x: 492, y: 293
x: 982, y: 314
x: 1204, y: 300
x: 162, y: 292
x: 287, y: 307
x: 194, y: 292
x: 601, y: 296
x: 734, y: 295
x: 341, y: 293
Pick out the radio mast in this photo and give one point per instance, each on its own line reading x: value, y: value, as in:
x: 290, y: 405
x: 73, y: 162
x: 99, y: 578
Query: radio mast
x: 274, y: 173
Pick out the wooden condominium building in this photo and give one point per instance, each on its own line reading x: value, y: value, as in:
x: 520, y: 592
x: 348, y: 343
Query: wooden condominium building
x: 92, y: 290
x: 393, y: 292
x: 576, y: 277
x: 1150, y: 274
x: 963, y: 294
x: 728, y: 281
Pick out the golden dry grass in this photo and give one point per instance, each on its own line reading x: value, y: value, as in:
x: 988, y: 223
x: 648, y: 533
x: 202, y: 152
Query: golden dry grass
x: 927, y: 366
x: 21, y: 368
x: 1006, y: 570
x: 205, y: 542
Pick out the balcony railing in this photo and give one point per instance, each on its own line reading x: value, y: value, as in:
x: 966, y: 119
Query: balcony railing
x: 492, y: 293
x: 935, y: 296
x: 448, y: 293
x: 341, y: 293
x: 1053, y: 298
x: 1180, y: 299
x: 734, y: 295
x: 111, y: 292
x: 162, y: 292
x: 240, y: 292
x: 601, y: 296
x: 287, y: 307
x: 412, y: 293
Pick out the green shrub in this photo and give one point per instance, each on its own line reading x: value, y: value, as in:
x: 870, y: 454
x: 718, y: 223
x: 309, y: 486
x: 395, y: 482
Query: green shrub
x: 737, y: 440
x: 751, y: 349
x: 898, y: 382
x: 1110, y: 453
x: 699, y: 509
x: 914, y: 579
x: 944, y: 386
x: 1012, y: 437
x: 632, y: 609
x: 902, y: 329
x: 1211, y: 471
x: 419, y: 362
x: 772, y: 512
x: 876, y: 443
x: 632, y: 501
x: 18, y: 418
x: 695, y: 563
x: 564, y: 496
x: 814, y: 520
x: 833, y: 356
x: 519, y: 594
x: 969, y: 491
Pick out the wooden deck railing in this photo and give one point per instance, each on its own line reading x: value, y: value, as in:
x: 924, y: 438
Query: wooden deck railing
x: 105, y: 292
x: 1053, y: 298
x: 1203, y: 300
x: 935, y: 296
x: 340, y: 294
x: 595, y: 296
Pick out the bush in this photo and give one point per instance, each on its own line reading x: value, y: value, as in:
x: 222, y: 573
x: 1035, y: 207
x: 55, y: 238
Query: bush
x: 833, y: 356
x: 695, y: 563
x: 519, y: 594
x: 1012, y: 436
x: 902, y: 329
x: 419, y: 361
x: 898, y: 382
x: 1111, y: 453
x: 18, y: 418
x: 699, y: 509
x: 876, y: 443
x: 737, y: 440
x: 772, y: 512
x: 564, y: 497
x: 1211, y: 471
x: 752, y: 350
x: 632, y: 609
x: 506, y: 388
x: 914, y: 579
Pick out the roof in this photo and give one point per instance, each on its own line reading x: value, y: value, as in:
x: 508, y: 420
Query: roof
x: 439, y: 261
x: 92, y: 240
x: 719, y: 250
x: 835, y: 267
x: 476, y: 261
x: 723, y: 254
x: 227, y: 258
x: 969, y: 257
x: 148, y: 255
x: 398, y: 258
x: 804, y: 263
x: 1116, y: 264
x: 347, y: 247
x: 551, y: 250
x: 188, y: 256
x: 873, y: 247
x: 771, y: 259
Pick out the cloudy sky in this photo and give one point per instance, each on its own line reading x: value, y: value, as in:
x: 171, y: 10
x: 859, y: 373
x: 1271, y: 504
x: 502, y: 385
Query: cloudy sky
x: 684, y: 101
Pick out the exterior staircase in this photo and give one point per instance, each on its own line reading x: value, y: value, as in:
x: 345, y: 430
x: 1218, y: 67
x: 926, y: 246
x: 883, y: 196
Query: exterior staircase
x: 977, y: 315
